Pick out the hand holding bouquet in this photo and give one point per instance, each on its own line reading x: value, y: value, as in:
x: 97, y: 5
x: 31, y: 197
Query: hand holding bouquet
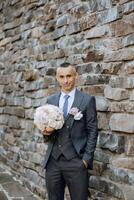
x: 48, y: 118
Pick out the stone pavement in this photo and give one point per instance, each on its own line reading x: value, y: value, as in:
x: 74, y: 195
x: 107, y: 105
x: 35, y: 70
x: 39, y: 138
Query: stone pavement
x: 11, y: 189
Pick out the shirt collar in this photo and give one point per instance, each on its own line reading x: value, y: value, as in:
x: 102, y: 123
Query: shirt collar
x: 71, y: 94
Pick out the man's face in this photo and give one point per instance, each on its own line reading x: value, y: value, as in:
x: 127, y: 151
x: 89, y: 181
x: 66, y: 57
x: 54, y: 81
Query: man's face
x: 66, y: 77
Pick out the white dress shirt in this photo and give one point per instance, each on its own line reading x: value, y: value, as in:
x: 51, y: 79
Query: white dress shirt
x: 70, y: 99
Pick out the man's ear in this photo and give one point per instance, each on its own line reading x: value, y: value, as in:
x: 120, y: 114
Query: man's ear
x: 56, y: 76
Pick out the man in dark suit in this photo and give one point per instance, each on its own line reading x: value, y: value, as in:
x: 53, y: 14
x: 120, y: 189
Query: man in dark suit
x: 70, y: 155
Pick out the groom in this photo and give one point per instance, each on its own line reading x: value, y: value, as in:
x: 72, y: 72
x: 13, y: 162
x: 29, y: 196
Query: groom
x: 69, y: 157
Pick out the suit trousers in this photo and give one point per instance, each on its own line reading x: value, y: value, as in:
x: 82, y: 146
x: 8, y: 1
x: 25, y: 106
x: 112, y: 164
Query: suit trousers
x: 72, y: 173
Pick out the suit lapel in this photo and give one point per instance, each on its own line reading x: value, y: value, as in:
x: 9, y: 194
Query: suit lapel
x: 77, y: 103
x: 77, y: 100
x: 56, y: 99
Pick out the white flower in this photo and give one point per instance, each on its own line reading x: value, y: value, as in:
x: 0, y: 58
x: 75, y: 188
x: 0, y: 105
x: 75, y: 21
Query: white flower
x: 76, y: 113
x: 78, y: 116
x: 48, y: 116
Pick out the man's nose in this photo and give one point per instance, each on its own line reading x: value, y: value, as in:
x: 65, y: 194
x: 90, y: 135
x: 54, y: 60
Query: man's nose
x: 65, y: 80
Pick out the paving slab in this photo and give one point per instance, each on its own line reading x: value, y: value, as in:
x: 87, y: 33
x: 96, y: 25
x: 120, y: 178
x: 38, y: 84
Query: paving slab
x: 1, y: 169
x: 5, y: 178
x: 16, y: 190
x: 11, y: 189
x: 3, y: 196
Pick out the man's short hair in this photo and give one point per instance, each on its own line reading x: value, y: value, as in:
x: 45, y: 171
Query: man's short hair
x: 66, y: 64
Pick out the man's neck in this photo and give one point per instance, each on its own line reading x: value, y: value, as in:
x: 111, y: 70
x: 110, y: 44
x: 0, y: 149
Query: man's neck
x: 67, y: 92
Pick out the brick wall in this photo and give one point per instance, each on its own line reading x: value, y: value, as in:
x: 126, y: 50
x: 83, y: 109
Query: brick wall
x: 98, y: 37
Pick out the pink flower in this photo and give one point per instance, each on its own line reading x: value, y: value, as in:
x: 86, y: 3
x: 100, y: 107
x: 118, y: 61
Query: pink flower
x: 76, y: 113
x: 48, y: 116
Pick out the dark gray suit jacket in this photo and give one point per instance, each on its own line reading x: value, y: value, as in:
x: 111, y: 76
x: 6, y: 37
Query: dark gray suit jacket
x: 83, y: 132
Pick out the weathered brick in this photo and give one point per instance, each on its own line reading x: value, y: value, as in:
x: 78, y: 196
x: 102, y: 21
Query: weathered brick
x: 16, y: 101
x: 80, y: 10
x: 106, y: 186
x: 129, y: 67
x: 27, y: 125
x: 35, y: 85
x: 112, y: 142
x: 128, y: 7
x: 36, y: 32
x: 110, y: 68
x: 108, y: 15
x: 98, y: 32
x: 128, y: 40
x: 1, y: 90
x: 123, y: 26
x: 122, y: 123
x: 68, y: 5
x: 56, y: 54
x: 2, y: 102
x: 122, y: 107
x: 33, y: 176
x: 121, y: 174
x: 90, y: 67
x: 29, y: 113
x: 59, y: 32
x: 2, y: 35
x: 20, y: 112
x: 4, y: 80
x: 93, y: 89
x: 93, y: 56
x: 109, y: 44
x: 132, y: 96
x: 31, y: 74
x: 103, y: 121
x: 124, y: 163
x: 35, y: 158
x: 101, y: 103
x: 2, y: 66
x: 75, y: 59
x: 123, y: 54
x: 96, y: 36
x: 116, y: 93
x: 62, y: 20
x: 102, y: 156
x: 129, y: 147
x: 73, y: 28
x: 10, y: 139
x: 124, y: 1
x: 121, y: 82
x: 87, y: 22
x: 50, y: 47
x: 96, y: 79
x: 13, y: 122
x: 14, y: 24
x: 65, y: 41
x: 27, y: 26
x: 99, y: 168
x: 4, y: 119
x: 50, y: 71
x: 30, y: 146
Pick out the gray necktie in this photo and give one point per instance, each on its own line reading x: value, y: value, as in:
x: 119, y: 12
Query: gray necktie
x: 65, y: 106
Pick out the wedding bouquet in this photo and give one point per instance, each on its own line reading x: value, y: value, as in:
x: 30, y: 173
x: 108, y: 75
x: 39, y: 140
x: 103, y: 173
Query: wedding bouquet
x: 50, y: 118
